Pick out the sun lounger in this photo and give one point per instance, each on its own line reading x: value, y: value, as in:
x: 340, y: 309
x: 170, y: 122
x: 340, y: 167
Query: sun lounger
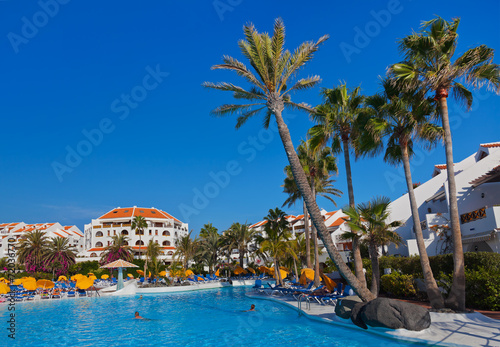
x: 82, y: 292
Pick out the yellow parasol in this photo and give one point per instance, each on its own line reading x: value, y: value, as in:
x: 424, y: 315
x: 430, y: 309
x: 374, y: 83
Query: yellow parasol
x: 18, y: 281
x: 92, y: 277
x: 104, y: 277
x: 130, y: 275
x: 329, y: 283
x: 200, y: 278
x: 217, y: 273
x: 4, y: 280
x: 239, y: 270
x: 140, y: 272
x: 62, y: 278
x: 189, y: 273
x: 45, y: 284
x: 76, y: 277
x: 283, y: 273
x: 251, y: 270
x: 4, y: 288
x: 29, y: 284
x: 306, y: 274
x: 84, y: 282
x: 163, y: 273
x: 264, y: 269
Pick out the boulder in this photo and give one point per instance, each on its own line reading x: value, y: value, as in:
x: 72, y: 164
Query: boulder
x: 392, y: 314
x: 345, y: 305
x: 356, y: 315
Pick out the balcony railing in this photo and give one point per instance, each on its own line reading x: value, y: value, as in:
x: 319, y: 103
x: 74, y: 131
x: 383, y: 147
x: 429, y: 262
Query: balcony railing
x: 126, y: 224
x: 472, y: 216
x: 97, y: 226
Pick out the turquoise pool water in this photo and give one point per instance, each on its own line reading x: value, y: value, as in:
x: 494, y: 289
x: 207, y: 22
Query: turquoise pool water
x: 203, y: 318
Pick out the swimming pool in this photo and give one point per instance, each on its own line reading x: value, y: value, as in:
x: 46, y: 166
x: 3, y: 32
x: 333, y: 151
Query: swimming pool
x: 203, y: 318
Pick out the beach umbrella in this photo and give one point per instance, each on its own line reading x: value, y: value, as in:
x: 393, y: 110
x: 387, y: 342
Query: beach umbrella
x: 282, y: 272
x: 130, y: 275
x: 329, y: 283
x: 140, y: 272
x: 93, y: 277
x: 29, y: 284
x: 4, y: 280
x: 264, y: 269
x: 199, y: 278
x: 45, y: 284
x: 251, y: 270
x: 90, y: 274
x: 189, y: 273
x: 163, y: 273
x: 306, y: 274
x: 4, y: 288
x: 217, y: 273
x: 119, y: 264
x: 18, y: 282
x: 84, y: 282
x: 76, y: 277
x: 239, y: 270
x: 62, y: 278
x: 104, y: 277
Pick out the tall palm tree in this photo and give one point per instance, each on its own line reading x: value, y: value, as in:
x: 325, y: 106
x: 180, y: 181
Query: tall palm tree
x: 371, y: 220
x: 118, y: 249
x: 61, y: 253
x: 139, y: 224
x: 241, y: 236
x: 338, y: 121
x: 403, y: 118
x: 318, y: 166
x: 270, y: 92
x: 275, y: 241
x: 31, y: 250
x: 207, y: 230
x: 153, y: 251
x: 186, y: 248
x: 209, y: 248
x: 428, y: 65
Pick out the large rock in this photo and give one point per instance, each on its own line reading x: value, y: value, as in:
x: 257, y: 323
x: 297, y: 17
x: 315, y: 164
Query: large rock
x: 392, y: 314
x: 345, y: 305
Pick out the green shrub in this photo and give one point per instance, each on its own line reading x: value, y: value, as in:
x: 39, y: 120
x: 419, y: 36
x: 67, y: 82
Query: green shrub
x: 398, y: 285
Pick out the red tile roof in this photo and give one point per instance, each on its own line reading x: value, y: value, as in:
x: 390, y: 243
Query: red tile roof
x: 338, y: 222
x: 131, y: 212
x: 490, y: 145
x: 96, y: 249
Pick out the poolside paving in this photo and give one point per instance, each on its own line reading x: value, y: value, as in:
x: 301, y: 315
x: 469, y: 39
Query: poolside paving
x: 470, y: 329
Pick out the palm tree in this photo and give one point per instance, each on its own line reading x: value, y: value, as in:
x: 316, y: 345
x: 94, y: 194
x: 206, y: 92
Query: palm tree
x: 207, y: 230
x: 118, y: 249
x: 59, y: 255
x: 404, y: 119
x: 428, y: 65
x: 338, y: 121
x: 139, y: 224
x: 240, y: 237
x: 275, y: 241
x: 209, y: 248
x: 186, y: 248
x: 370, y: 219
x: 270, y: 92
x: 31, y: 250
x: 153, y: 251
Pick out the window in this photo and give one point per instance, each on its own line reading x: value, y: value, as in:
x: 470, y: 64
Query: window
x: 170, y: 253
x: 166, y: 233
x: 150, y: 232
x: 125, y: 243
x: 156, y: 241
x: 98, y: 244
x: 114, y: 232
x: 98, y: 234
x: 124, y: 232
x: 108, y: 233
x: 139, y: 232
x: 139, y: 243
x: 166, y: 243
x: 156, y: 232
x: 93, y: 255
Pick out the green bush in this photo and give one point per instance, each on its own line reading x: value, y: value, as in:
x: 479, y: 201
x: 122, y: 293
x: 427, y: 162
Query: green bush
x: 398, y: 285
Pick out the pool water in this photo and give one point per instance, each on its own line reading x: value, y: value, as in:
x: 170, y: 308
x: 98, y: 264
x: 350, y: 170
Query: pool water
x: 203, y: 318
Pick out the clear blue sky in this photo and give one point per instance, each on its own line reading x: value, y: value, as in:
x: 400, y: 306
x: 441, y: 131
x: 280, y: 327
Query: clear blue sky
x: 67, y: 70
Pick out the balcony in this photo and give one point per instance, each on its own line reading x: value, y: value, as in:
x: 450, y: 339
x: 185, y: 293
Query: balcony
x: 97, y: 226
x: 126, y: 225
x: 482, y: 222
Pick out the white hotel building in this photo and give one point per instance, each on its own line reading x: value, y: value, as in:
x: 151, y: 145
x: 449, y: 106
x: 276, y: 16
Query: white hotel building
x: 16, y: 230
x: 162, y: 228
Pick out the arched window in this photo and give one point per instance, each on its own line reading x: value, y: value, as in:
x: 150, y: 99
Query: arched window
x: 125, y: 243
x: 166, y: 233
x: 170, y: 253
x: 166, y: 243
x: 139, y: 242
x: 93, y: 255
x: 98, y: 234
x: 124, y: 232
x: 98, y: 244
x: 175, y: 234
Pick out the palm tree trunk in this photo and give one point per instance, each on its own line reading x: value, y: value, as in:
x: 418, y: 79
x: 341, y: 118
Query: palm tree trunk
x: 433, y: 293
x: 277, y: 271
x: 242, y: 257
x: 356, y: 252
x: 375, y: 268
x: 306, y: 231
x: 312, y: 207
x: 456, y: 299
x: 317, y: 279
x: 296, y: 270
